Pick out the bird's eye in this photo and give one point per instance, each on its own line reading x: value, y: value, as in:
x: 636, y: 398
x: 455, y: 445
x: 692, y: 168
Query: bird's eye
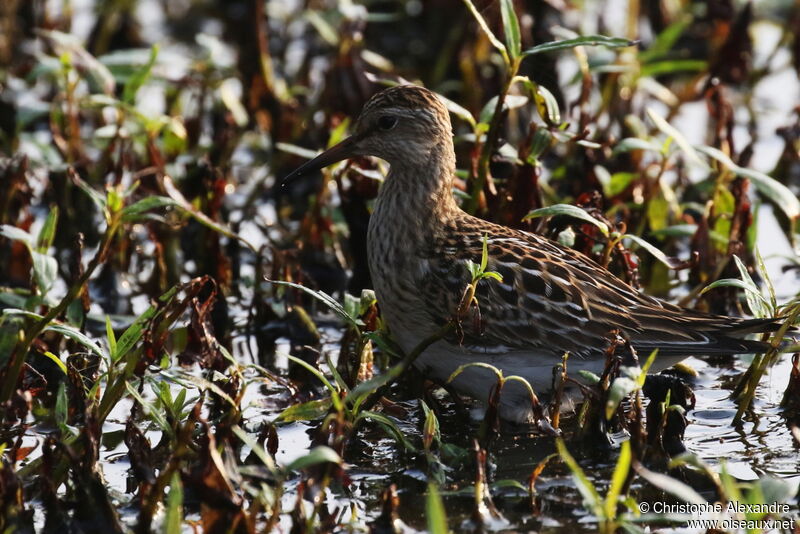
x: 387, y: 122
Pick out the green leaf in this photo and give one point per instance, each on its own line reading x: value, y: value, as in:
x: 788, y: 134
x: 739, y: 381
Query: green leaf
x: 590, y: 496
x: 671, y: 132
x: 762, y: 271
x: 665, y: 41
x: 61, y: 412
x: 589, y: 377
x: 337, y: 402
x: 390, y: 427
x: 775, y: 191
x: 430, y: 429
x: 173, y: 515
x: 323, y: 297
x: 759, y: 307
x: 16, y: 234
x: 45, y: 271
x: 511, y: 28
x: 48, y: 231
x: 259, y: 451
x: 484, y: 253
x: 112, y: 339
x: 618, y: 480
x: 132, y: 212
x: 56, y: 360
x: 434, y: 511
x: 199, y: 216
x: 317, y: 455
x: 509, y: 102
x: 458, y: 111
x: 569, y: 211
x: 98, y: 198
x: 658, y: 254
x: 588, y: 40
x: 485, y: 27
x: 305, y: 411
x: 69, y: 46
x: 671, y: 66
x: 620, y: 388
x: 132, y: 334
x: 461, y: 368
x: 139, y: 78
x: 735, y: 282
x: 672, y: 486
x: 634, y: 143
x: 156, y: 415
x: 546, y: 105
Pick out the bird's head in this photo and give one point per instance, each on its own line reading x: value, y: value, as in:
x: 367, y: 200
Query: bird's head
x: 400, y: 125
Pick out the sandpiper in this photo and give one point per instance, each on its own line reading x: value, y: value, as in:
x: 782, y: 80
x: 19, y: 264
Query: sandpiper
x: 551, y: 300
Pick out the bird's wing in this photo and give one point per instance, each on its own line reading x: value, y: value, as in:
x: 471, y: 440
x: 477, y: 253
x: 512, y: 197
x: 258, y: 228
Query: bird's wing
x: 556, y: 298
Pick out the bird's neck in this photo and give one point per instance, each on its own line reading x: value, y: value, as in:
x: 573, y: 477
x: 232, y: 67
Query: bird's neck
x: 420, y: 189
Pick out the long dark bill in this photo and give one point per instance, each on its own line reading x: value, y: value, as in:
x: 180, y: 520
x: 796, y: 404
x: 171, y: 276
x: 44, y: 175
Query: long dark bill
x: 338, y: 152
